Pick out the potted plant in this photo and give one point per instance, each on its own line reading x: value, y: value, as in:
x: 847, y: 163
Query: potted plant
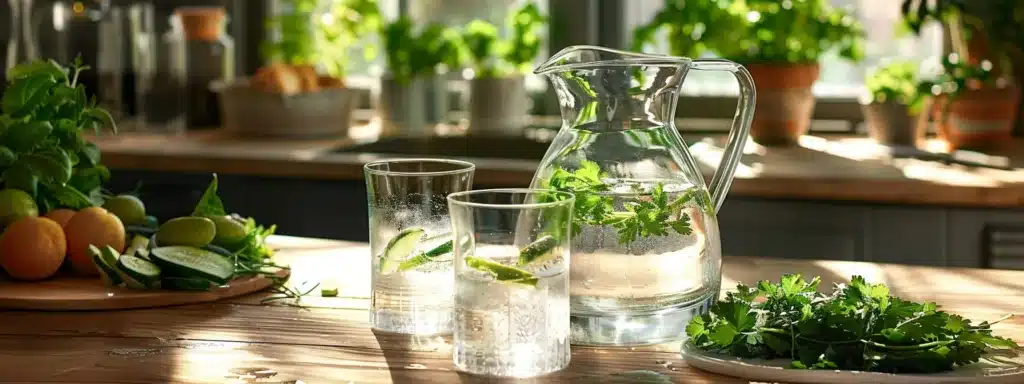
x: 780, y: 46
x: 893, y: 103
x: 301, y: 92
x: 978, y: 92
x: 499, y: 103
x: 414, y: 92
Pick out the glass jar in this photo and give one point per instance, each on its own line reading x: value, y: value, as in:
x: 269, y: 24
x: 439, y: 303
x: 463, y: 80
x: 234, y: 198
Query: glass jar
x: 91, y: 32
x: 22, y: 45
x: 160, y: 73
x: 209, y: 56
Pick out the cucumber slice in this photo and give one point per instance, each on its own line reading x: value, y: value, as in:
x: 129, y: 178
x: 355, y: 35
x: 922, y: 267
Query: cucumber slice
x: 138, y: 246
x: 399, y: 247
x: 439, y: 250
x: 501, y: 272
x: 186, y: 261
x: 539, y: 251
x: 139, y: 270
x: 139, y: 230
x: 187, y: 283
x: 218, y: 250
x: 107, y: 271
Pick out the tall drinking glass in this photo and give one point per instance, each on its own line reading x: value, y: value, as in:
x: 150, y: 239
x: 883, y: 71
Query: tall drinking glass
x: 511, y: 281
x: 411, y: 242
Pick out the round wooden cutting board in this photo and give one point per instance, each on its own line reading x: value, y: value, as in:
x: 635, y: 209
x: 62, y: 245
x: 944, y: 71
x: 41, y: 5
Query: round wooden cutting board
x: 69, y: 293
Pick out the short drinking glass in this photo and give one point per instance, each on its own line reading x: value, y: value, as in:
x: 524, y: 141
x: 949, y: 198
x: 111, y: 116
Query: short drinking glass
x: 511, y: 281
x: 411, y: 242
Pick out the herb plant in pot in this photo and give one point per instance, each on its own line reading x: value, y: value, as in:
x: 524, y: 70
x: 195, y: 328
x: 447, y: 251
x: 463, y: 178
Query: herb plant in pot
x: 414, y: 91
x: 780, y: 43
x: 979, y: 92
x: 893, y: 105
x: 499, y: 103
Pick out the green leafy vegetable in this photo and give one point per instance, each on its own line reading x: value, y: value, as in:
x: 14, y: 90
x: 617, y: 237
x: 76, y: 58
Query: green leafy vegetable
x: 858, y: 326
x: 643, y: 217
x: 493, y: 57
x: 42, y: 149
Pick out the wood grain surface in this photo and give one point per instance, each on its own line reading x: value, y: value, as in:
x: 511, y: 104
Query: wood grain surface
x: 328, y: 340
x: 833, y: 168
x: 75, y: 293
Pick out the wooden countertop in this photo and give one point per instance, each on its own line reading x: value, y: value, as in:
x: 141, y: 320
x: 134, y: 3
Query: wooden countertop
x: 835, y: 168
x: 329, y: 341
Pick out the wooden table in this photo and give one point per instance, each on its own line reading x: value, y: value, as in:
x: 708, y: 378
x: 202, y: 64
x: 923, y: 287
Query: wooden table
x: 330, y: 342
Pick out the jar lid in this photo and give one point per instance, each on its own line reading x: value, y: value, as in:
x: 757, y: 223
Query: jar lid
x: 201, y: 23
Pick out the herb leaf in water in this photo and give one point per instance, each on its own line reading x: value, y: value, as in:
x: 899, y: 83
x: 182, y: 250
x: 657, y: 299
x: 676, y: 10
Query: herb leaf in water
x: 858, y: 326
x: 656, y: 216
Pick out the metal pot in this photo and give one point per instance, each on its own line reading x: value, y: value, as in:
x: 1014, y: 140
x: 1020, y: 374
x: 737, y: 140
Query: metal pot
x: 413, y: 108
x: 498, y: 106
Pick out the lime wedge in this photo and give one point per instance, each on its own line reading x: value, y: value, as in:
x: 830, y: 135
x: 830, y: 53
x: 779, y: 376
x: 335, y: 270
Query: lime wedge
x: 501, y: 272
x: 539, y: 251
x: 399, y: 247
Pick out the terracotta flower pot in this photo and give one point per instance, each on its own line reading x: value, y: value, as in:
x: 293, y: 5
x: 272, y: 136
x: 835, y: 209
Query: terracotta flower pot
x: 981, y: 119
x: 784, y: 102
x: 892, y: 123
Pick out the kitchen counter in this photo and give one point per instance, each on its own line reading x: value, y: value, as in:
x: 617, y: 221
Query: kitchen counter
x: 330, y: 342
x: 821, y: 168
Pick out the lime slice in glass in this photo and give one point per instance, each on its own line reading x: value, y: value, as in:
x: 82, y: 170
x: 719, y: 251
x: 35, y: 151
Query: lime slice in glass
x: 399, y: 247
x: 501, y: 272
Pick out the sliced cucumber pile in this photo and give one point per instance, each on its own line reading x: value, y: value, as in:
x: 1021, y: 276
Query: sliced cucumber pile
x: 190, y: 262
x: 139, y: 270
x: 108, y: 271
x: 399, y: 248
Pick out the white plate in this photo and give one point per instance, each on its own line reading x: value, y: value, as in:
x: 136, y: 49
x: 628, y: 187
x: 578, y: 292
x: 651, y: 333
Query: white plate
x: 777, y: 371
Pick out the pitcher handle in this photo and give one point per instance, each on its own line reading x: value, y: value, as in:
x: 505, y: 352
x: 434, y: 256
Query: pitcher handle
x: 740, y: 130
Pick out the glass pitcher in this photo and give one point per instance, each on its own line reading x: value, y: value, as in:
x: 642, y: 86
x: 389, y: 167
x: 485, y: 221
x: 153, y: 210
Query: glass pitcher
x: 646, y: 253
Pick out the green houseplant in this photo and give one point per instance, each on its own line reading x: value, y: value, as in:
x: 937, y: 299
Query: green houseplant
x: 498, y: 101
x: 320, y: 33
x: 414, y: 91
x: 979, y: 91
x: 780, y: 46
x: 892, y: 104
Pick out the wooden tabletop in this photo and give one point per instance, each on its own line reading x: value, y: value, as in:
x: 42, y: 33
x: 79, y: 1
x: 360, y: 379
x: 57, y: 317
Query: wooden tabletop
x: 820, y: 168
x: 329, y: 341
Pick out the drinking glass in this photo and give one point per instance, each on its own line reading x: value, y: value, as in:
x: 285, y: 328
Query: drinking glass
x: 411, y: 242
x: 511, y: 281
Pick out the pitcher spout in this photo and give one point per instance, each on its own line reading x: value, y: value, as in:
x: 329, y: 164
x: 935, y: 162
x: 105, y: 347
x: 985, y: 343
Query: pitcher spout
x: 591, y: 57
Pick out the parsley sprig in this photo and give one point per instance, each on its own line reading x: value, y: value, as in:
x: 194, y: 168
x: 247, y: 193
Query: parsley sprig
x: 642, y: 217
x: 858, y: 326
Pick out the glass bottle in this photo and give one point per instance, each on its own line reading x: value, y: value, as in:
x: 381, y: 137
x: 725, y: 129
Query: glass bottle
x: 22, y: 45
x: 646, y: 254
x: 91, y: 31
x: 209, y: 57
x: 160, y: 73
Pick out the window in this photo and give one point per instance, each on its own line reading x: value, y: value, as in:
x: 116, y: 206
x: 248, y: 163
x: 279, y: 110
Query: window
x: 839, y: 78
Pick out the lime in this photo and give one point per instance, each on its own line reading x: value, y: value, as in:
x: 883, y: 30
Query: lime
x: 539, y: 251
x: 15, y: 204
x: 189, y: 230
x: 229, y: 230
x: 399, y: 247
x: 128, y: 208
x: 501, y: 272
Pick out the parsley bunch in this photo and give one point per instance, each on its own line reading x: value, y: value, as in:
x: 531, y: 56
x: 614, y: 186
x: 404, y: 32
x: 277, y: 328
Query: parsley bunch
x: 856, y: 327
x: 654, y: 216
x: 43, y: 152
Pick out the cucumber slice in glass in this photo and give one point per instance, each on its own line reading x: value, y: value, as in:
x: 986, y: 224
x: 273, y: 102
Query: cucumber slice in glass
x: 399, y: 247
x: 501, y: 272
x: 539, y: 251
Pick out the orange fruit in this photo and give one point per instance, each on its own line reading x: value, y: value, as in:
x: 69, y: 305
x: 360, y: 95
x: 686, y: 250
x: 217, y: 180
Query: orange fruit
x: 92, y: 226
x: 61, y: 216
x: 32, y: 248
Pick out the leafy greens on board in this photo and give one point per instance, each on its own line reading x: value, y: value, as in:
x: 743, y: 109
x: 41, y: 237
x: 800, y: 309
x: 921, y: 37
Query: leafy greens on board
x: 42, y: 149
x: 858, y: 326
x: 641, y: 218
